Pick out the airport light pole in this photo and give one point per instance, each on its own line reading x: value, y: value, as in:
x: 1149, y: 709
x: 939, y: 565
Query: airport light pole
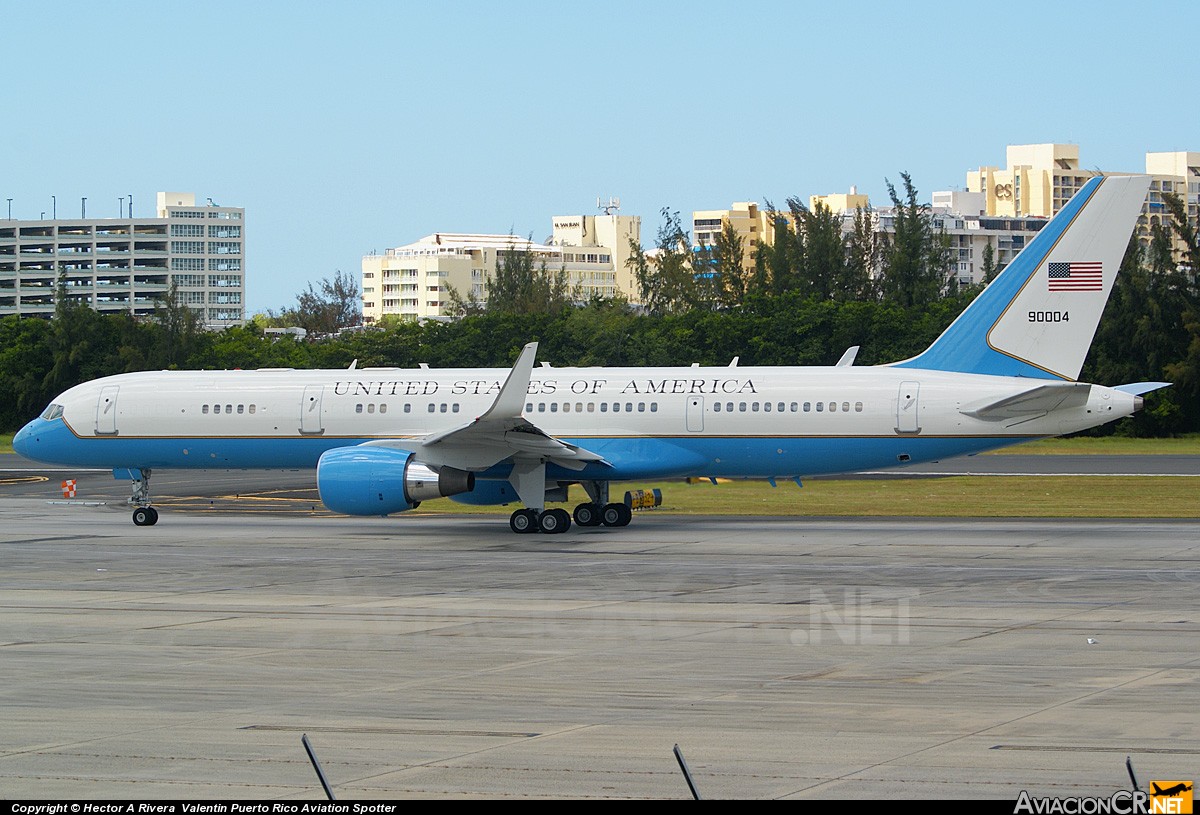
x: 53, y: 208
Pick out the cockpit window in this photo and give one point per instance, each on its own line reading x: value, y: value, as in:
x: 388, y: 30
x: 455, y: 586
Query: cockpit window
x: 52, y: 412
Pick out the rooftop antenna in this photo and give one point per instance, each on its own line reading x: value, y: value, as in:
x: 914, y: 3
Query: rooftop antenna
x: 611, y: 208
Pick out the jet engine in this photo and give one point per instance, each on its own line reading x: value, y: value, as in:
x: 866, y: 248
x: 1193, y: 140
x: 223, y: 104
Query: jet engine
x: 379, y: 480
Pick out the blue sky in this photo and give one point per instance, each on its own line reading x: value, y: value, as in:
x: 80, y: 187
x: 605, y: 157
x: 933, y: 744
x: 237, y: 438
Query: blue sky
x: 344, y: 128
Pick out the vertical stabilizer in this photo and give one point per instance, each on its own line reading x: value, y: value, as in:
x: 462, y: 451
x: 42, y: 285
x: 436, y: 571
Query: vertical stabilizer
x: 1038, y: 317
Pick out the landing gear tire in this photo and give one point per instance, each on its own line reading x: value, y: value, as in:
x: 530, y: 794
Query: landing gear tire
x: 145, y: 516
x: 588, y: 515
x: 616, y: 515
x: 523, y: 521
x: 555, y: 521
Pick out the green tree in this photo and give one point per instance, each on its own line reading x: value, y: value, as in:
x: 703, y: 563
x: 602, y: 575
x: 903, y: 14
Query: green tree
x: 916, y: 260
x: 728, y: 263
x: 326, y: 308
x: 863, y: 257
x: 989, y: 262
x: 823, y: 270
x: 666, y: 278
x: 523, y: 284
x: 181, y: 329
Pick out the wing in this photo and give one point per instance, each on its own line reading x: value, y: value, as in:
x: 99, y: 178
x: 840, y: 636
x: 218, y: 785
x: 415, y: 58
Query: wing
x: 500, y: 433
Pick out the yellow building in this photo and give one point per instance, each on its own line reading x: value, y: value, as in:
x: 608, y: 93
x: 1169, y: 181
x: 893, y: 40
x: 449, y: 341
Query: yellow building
x: 751, y: 224
x: 840, y: 203
x: 1041, y: 178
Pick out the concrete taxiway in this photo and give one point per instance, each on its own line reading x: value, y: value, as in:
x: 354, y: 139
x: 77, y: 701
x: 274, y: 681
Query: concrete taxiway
x: 444, y: 656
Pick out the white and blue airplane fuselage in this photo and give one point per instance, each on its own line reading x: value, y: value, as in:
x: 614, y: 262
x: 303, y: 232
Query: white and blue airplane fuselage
x: 383, y: 439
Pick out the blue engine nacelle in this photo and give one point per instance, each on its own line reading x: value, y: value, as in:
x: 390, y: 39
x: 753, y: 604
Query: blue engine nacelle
x: 379, y: 480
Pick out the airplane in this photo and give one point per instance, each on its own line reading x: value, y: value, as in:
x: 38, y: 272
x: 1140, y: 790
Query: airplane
x: 383, y: 440
x: 1170, y: 792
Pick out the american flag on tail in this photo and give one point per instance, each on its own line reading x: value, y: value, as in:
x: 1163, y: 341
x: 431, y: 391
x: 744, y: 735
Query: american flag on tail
x: 1086, y: 276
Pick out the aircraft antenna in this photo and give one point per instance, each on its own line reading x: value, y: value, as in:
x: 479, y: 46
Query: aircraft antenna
x: 312, y: 756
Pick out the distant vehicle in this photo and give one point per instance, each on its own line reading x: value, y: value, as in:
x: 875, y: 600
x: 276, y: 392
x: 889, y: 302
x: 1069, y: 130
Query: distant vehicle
x: 383, y: 440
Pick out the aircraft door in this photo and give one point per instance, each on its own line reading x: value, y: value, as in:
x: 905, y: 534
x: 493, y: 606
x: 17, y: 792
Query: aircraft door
x: 907, y: 405
x: 310, y: 411
x: 695, y: 414
x: 106, y: 411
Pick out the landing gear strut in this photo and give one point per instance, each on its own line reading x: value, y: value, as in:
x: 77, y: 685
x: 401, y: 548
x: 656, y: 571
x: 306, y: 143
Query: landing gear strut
x: 529, y: 480
x: 143, y: 513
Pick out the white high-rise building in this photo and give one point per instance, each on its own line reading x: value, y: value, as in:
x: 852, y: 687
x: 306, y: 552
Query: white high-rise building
x: 125, y: 264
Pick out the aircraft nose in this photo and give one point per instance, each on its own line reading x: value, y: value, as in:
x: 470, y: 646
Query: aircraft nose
x: 23, y: 442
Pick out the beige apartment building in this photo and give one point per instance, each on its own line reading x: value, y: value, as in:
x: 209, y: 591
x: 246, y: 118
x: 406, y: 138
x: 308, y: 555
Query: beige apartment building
x: 413, y: 282
x: 125, y: 264
x: 1041, y: 178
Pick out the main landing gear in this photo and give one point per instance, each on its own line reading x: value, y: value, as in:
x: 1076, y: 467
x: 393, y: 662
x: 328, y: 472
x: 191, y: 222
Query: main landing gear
x: 143, y: 513
x: 555, y: 521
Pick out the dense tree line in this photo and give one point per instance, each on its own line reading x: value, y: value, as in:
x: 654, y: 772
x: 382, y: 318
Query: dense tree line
x: 805, y: 300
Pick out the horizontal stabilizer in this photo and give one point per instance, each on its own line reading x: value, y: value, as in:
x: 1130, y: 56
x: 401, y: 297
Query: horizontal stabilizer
x: 1042, y: 399
x: 1138, y: 388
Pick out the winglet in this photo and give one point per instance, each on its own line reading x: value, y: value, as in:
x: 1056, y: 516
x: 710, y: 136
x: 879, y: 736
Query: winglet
x: 511, y: 399
x: 848, y: 358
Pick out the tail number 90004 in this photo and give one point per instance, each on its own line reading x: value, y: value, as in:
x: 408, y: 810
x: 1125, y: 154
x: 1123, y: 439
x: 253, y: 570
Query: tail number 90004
x: 1049, y: 317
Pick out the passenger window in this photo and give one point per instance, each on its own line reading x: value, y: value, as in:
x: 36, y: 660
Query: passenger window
x: 754, y: 407
x: 204, y: 408
x: 383, y: 408
x: 529, y: 407
x: 566, y: 407
x: 554, y: 407
x: 629, y: 407
x: 432, y: 407
x: 358, y: 408
x: 541, y: 407
x: 442, y: 407
x: 780, y: 407
x: 579, y: 407
x: 408, y: 407
x: 241, y: 408
x: 654, y: 407
x: 729, y: 407
x: 795, y: 405
x: 229, y: 408
x: 766, y: 407
x: 216, y: 408
x: 833, y: 407
x: 371, y: 408
x: 604, y: 407
x: 591, y: 407
x: 454, y: 408
x: 742, y: 407
x: 820, y: 406
x: 845, y: 407
x: 252, y: 408
x: 858, y: 407
x: 616, y: 407
x: 641, y: 407
x: 716, y: 407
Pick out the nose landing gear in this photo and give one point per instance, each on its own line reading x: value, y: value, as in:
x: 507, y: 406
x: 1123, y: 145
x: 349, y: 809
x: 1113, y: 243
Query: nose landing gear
x: 143, y: 513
